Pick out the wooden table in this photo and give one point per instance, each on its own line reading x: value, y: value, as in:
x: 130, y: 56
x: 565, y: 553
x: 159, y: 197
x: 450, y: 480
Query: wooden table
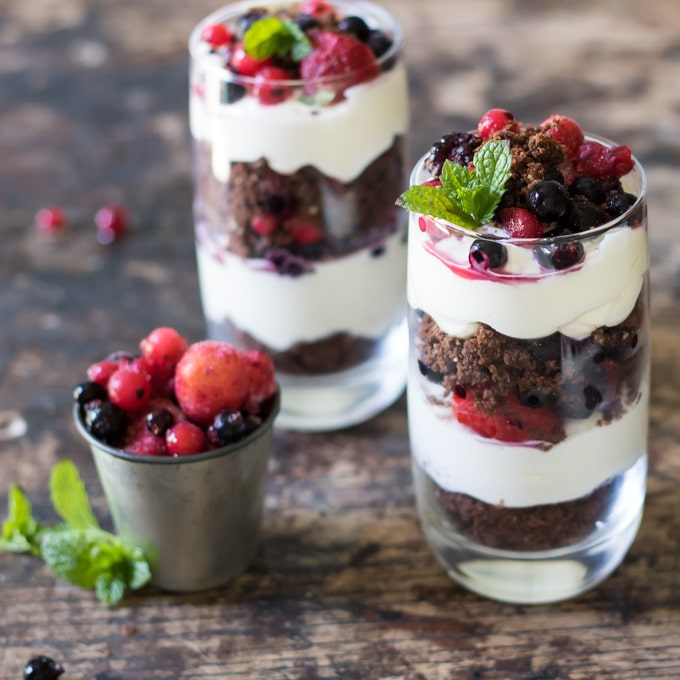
x: 93, y: 110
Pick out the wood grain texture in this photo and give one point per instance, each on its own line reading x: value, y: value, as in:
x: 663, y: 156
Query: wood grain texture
x: 93, y: 109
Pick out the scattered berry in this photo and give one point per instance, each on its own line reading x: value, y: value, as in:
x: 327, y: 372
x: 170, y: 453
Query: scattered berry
x: 244, y: 64
x: 50, y: 220
x: 520, y: 223
x: 89, y: 391
x: 42, y: 668
x: 101, y: 371
x: 495, y: 120
x: 185, y: 438
x: 566, y: 131
x: 111, y: 222
x: 105, y: 421
x: 217, y: 35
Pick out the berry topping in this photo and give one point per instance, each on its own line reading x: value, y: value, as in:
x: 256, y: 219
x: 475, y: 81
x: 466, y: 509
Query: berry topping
x: 244, y: 64
x: 306, y: 22
x: 211, y: 377
x: 269, y: 88
x: 111, y: 222
x: 598, y: 161
x: 50, y: 220
x: 520, y: 223
x: 493, y: 121
x: 589, y: 187
x: 185, y: 438
x: 42, y: 668
x: 249, y: 18
x: 356, y: 26
x: 559, y: 256
x: 566, y: 131
x: 217, y: 35
x: 304, y: 233
x: 486, y: 254
x: 287, y: 264
x: 159, y: 420
x: 549, y: 201
x: 105, y: 421
x: 89, y: 391
x: 130, y: 387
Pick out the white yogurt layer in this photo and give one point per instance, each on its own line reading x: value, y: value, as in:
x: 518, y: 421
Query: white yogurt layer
x: 339, y: 140
x: 531, y: 302
x: 360, y: 294
x: 515, y: 475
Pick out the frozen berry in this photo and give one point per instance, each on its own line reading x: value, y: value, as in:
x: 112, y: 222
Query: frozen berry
x: 50, y: 220
x: 356, y: 26
x: 520, y: 223
x: 495, y: 120
x: 486, y: 254
x: 130, y: 387
x: 458, y: 147
x: 250, y: 17
x: 89, y: 391
x: 111, y: 222
x: 217, y: 35
x: 159, y: 421
x: 587, y: 186
x: 228, y: 427
x: 42, y: 668
x: 304, y: 233
x: 619, y: 202
x: 210, y: 377
x: 565, y: 130
x: 598, y: 161
x: 161, y: 350
x: 549, y: 201
x: 261, y: 379
x: 101, y: 371
x: 380, y: 43
x: 105, y: 421
x: 559, y: 255
x: 184, y: 439
x: 584, y: 215
x: 264, y: 224
x: 244, y: 64
x: 270, y: 86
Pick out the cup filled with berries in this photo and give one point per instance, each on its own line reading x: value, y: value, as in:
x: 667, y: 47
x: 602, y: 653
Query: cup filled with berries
x: 528, y: 389
x: 299, y: 115
x: 181, y: 435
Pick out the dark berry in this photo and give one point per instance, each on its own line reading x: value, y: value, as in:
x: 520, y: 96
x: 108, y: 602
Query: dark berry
x: 268, y: 86
x: 559, y: 255
x: 553, y: 173
x: 159, y: 421
x: 42, y: 668
x: 229, y: 427
x: 232, y: 92
x: 105, y: 421
x: 249, y: 18
x: 495, y: 120
x: 589, y: 187
x: 378, y: 42
x: 356, y: 26
x: 486, y: 254
x: 533, y: 398
x: 89, y: 391
x: 111, y: 222
x: 584, y: 215
x: 618, y: 203
x: 306, y: 22
x: 458, y: 147
x: 549, y: 201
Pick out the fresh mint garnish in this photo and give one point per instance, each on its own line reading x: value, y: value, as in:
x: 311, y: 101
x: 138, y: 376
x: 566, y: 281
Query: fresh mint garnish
x: 466, y: 197
x: 272, y: 36
x: 77, y: 550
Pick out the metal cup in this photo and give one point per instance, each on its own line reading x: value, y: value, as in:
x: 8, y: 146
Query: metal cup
x: 196, y: 517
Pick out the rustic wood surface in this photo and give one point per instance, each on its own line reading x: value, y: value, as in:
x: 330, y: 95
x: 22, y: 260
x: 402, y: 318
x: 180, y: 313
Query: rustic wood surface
x: 92, y: 110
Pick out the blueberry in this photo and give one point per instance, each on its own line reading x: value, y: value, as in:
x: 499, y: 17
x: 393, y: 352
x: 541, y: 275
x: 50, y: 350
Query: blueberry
x: 584, y: 215
x: 306, y: 22
x: 105, y: 421
x: 89, y: 391
x: 231, y: 92
x: 159, y: 421
x: 549, y: 201
x: 42, y: 668
x: 589, y: 187
x: 485, y: 254
x: 559, y: 255
x: 618, y: 203
x: 356, y: 26
x: 229, y: 427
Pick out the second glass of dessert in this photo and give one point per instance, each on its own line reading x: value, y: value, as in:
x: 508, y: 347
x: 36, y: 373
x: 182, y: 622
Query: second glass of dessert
x: 528, y: 382
x: 298, y: 117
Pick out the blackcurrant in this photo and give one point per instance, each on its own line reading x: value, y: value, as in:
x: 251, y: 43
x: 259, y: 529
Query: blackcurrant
x: 105, y: 421
x: 159, y: 421
x: 229, y: 426
x: 42, y: 668
x: 89, y: 391
x: 559, y: 255
x: 356, y: 26
x: 549, y: 201
x: 485, y: 254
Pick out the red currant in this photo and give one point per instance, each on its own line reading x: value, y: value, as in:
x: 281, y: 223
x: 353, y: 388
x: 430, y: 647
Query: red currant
x: 317, y: 9
x: 264, y: 224
x: 244, y: 64
x: 495, y: 120
x: 161, y: 350
x: 217, y: 35
x: 130, y: 387
x: 303, y: 233
x: 520, y: 223
x: 101, y: 371
x: 185, y: 438
x: 566, y: 131
x: 112, y: 222
x: 268, y: 87
x: 50, y: 220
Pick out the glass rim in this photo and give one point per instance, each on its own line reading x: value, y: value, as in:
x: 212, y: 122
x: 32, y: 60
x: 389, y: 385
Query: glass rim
x: 452, y: 227
x: 363, y: 8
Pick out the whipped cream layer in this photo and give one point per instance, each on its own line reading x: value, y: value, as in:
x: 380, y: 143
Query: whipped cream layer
x: 340, y: 140
x: 360, y: 294
x: 518, y: 475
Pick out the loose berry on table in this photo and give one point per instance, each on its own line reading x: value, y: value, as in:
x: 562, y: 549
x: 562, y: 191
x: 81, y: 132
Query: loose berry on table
x: 566, y: 131
x: 549, y: 201
x: 42, y: 667
x: 50, y: 220
x: 111, y: 222
x: 244, y: 64
x: 356, y: 26
x: 520, y: 223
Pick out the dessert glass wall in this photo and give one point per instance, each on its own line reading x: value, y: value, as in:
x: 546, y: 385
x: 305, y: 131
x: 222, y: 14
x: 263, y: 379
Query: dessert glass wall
x: 301, y: 250
x: 528, y: 395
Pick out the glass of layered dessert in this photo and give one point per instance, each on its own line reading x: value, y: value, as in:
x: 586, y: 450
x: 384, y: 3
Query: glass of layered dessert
x: 528, y: 381
x: 298, y: 115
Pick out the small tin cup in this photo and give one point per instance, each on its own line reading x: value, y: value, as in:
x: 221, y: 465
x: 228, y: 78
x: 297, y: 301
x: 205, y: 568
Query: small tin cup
x: 197, y: 517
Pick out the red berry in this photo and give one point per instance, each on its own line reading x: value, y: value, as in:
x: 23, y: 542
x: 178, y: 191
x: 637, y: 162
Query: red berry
x: 600, y: 161
x: 130, y: 387
x: 184, y: 439
x: 112, y: 222
x: 268, y: 87
x: 520, y: 223
x: 161, y: 350
x: 264, y: 224
x: 217, y: 35
x: 433, y: 183
x: 101, y: 371
x: 564, y: 130
x: 317, y: 9
x: 495, y: 120
x: 244, y: 64
x: 262, y: 380
x: 336, y: 55
x: 50, y: 220
x: 304, y: 233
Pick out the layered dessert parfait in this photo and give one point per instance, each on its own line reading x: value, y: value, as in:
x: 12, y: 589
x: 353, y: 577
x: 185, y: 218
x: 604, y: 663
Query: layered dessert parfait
x: 298, y: 115
x: 528, y: 378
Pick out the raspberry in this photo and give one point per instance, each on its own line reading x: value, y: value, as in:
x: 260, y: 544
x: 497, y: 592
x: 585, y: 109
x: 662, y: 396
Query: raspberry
x: 211, y: 377
x: 565, y: 130
x: 262, y: 381
x: 520, y: 223
x: 218, y: 35
x: 244, y: 64
x: 50, y: 220
x: 341, y: 57
x: 184, y: 439
x: 600, y: 161
x: 130, y: 388
x: 268, y: 87
x: 495, y: 120
x: 161, y: 350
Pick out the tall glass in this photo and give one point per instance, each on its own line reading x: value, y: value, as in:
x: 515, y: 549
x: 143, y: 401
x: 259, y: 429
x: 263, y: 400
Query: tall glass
x: 301, y: 250
x: 528, y: 396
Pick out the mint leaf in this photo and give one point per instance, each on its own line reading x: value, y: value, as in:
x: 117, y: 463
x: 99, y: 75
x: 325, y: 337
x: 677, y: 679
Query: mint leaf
x: 20, y: 531
x: 466, y: 197
x: 272, y: 36
x: 69, y: 496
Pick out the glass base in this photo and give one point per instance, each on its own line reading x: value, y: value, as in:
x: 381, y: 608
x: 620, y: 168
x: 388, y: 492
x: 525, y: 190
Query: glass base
x: 340, y: 400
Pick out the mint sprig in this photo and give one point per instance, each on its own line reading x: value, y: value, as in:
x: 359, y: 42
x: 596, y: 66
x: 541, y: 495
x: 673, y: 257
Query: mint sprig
x: 275, y: 37
x: 77, y: 550
x: 466, y: 197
